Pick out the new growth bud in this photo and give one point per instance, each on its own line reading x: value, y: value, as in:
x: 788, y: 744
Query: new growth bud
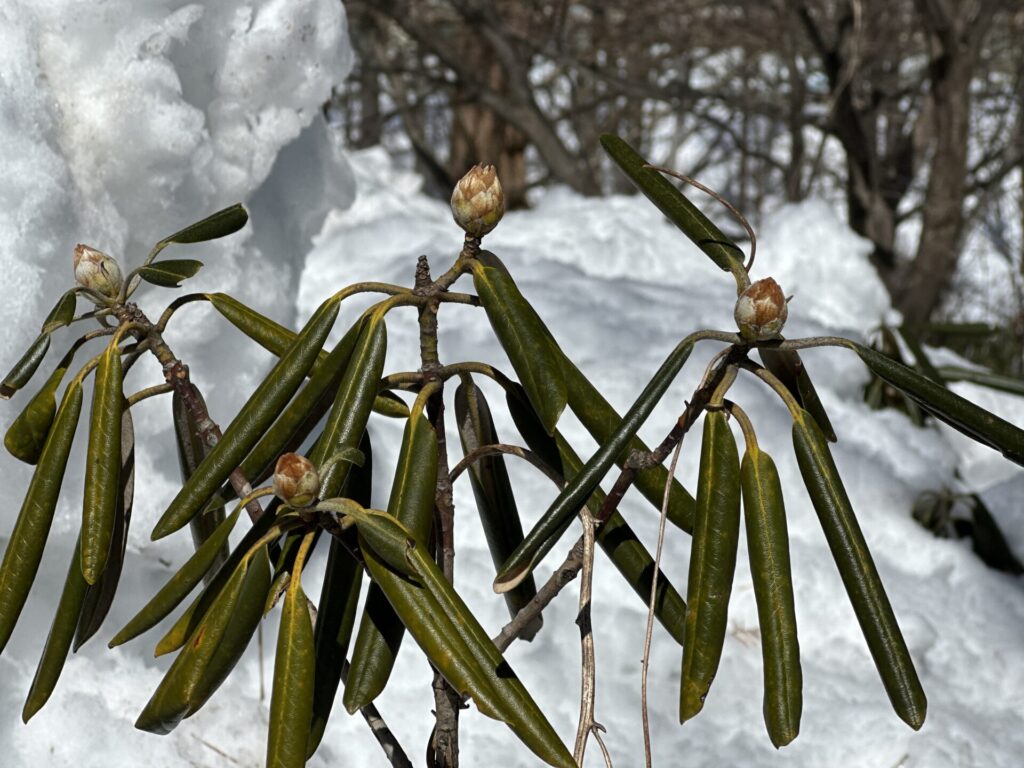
x: 478, y: 202
x: 761, y: 310
x: 296, y: 481
x: 97, y: 271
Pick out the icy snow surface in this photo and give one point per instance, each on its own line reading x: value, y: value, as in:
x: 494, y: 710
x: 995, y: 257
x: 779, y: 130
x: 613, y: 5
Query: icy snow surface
x: 151, y: 114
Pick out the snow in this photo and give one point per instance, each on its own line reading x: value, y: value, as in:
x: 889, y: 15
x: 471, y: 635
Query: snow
x: 121, y: 121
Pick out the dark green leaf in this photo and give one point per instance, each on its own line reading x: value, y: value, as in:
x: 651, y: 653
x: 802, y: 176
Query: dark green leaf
x: 58, y: 642
x: 523, y: 337
x: 545, y: 533
x: 789, y: 369
x: 857, y: 569
x: 27, y: 434
x: 192, y: 449
x: 170, y: 273
x: 213, y: 647
x: 222, y: 223
x: 1010, y: 384
x: 768, y: 544
x: 23, y: 370
x: 62, y: 313
x: 291, y: 702
x: 961, y: 414
x: 495, y: 501
x: 252, y: 420
x: 103, y: 465
x: 712, y: 562
x: 100, y: 596
x: 670, y: 201
x: 412, y: 504
x: 28, y: 539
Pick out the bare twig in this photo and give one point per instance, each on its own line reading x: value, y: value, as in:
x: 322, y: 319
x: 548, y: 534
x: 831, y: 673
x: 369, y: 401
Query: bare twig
x: 501, y: 448
x: 379, y: 728
x: 588, y: 682
x: 650, y: 608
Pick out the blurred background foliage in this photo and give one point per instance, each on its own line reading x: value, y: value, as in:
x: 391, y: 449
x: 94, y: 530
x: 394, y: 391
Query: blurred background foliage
x: 905, y: 114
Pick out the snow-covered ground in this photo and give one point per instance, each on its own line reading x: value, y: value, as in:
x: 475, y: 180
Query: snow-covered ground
x: 118, y: 139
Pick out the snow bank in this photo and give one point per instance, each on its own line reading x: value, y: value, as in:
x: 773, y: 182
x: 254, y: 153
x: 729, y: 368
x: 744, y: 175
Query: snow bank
x: 121, y: 122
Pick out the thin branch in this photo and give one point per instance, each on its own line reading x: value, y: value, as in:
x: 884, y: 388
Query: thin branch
x: 501, y: 448
x: 648, y: 633
x: 588, y: 682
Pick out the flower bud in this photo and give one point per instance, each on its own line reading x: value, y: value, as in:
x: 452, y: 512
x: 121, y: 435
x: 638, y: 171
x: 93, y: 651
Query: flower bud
x: 296, y: 481
x: 477, y: 201
x: 97, y: 271
x: 761, y: 310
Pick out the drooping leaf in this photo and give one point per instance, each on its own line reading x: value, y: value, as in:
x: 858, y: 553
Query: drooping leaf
x: 252, y: 420
x: 203, y: 561
x: 23, y: 370
x: 213, y: 647
x: 961, y: 414
x: 671, y: 202
x: 523, y: 337
x: 103, y: 465
x: 336, y: 614
x: 391, y: 405
x: 789, y: 369
x: 170, y: 273
x: 63, y: 312
x: 768, y: 545
x: 58, y: 642
x: 27, y: 434
x: 291, y: 702
x: 28, y: 539
x: 495, y: 500
x: 412, y: 504
x: 459, y: 648
x: 712, y: 562
x: 1011, y: 384
x: 100, y: 596
x: 554, y: 521
x: 192, y: 449
x: 353, y: 400
x: 220, y: 224
x: 858, y: 572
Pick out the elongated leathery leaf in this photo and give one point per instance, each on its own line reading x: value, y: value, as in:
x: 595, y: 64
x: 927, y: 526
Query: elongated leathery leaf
x: 170, y: 273
x: 495, y: 501
x: 177, y: 635
x: 542, y: 538
x: 27, y: 434
x: 412, y: 504
x: 192, y: 449
x: 26, y: 366
x: 768, y: 544
x: 251, y: 422
x: 616, y: 538
x: 100, y: 596
x: 58, y: 642
x: 206, y: 557
x: 961, y: 414
x: 449, y: 628
x: 857, y: 569
x: 523, y: 337
x: 213, y: 647
x: 601, y: 421
x: 336, y: 614
x: 712, y: 562
x: 103, y: 465
x: 220, y: 224
x: 314, y: 398
x: 28, y: 539
x: 291, y: 702
x: 63, y: 312
x: 789, y: 369
x: 352, y: 403
x: 670, y: 201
